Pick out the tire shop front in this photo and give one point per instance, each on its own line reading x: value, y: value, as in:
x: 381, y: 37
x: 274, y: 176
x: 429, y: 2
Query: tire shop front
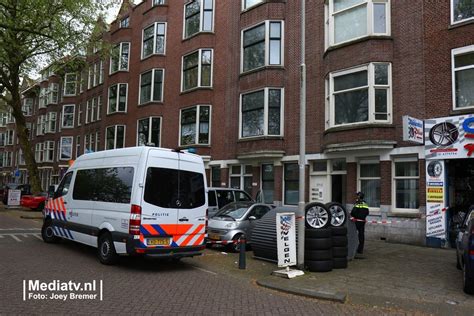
x: 449, y: 154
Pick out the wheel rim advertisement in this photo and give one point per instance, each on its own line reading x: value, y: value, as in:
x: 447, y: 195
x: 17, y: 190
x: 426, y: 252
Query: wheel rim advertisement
x: 286, y: 239
x: 435, y: 199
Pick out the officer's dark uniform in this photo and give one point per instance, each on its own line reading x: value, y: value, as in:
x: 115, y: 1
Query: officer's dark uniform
x: 360, y: 212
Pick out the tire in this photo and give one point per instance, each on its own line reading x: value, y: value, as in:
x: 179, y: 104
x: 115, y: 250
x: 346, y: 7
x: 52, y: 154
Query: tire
x: 318, y: 233
x: 318, y: 243
x: 468, y: 282
x: 338, y: 214
x: 319, y: 266
x: 458, y: 264
x: 235, y: 247
x: 340, y: 263
x: 317, y: 216
x: 339, y: 241
x: 106, y: 250
x: 318, y: 255
x: 47, y: 233
x: 340, y: 252
x: 339, y: 231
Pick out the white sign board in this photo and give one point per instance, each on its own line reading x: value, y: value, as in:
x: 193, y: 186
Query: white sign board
x: 14, y: 197
x: 413, y: 130
x: 286, y: 239
x: 435, y: 199
x: 450, y: 137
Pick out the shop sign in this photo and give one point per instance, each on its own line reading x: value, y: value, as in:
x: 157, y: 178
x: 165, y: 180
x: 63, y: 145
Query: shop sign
x: 450, y: 137
x: 14, y: 197
x: 286, y: 239
x: 435, y: 199
x: 413, y: 130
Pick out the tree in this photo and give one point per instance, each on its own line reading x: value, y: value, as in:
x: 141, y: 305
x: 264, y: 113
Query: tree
x: 32, y: 32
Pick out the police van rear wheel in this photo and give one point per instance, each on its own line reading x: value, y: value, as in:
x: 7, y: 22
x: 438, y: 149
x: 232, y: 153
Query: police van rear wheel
x: 106, y: 250
x: 47, y: 233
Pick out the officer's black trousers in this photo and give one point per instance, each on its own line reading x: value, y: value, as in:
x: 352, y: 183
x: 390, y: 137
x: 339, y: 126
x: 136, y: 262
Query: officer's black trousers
x: 361, y: 230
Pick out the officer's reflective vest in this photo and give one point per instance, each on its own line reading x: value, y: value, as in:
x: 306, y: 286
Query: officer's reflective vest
x: 360, y: 210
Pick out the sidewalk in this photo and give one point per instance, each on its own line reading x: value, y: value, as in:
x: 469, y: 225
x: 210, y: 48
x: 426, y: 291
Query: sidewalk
x: 393, y: 276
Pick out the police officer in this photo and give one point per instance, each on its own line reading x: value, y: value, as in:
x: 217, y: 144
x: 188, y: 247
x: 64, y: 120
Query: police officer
x: 359, y: 213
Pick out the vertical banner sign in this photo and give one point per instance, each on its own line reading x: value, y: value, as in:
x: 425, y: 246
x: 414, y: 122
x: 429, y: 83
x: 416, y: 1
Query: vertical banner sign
x: 286, y: 239
x: 435, y: 199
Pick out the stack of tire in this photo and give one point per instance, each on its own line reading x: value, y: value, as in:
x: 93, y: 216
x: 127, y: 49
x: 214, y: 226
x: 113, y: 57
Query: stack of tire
x: 325, y: 237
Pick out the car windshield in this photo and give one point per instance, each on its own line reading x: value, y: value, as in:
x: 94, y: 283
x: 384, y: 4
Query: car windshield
x: 233, y: 210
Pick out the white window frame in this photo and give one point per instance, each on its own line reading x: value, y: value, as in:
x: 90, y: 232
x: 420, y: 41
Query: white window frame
x: 198, y: 112
x: 394, y: 182
x: 265, y: 112
x: 70, y: 114
x: 152, y: 90
x: 455, y: 52
x: 248, y: 7
x: 101, y: 72
x: 118, y: 98
x: 93, y: 110
x: 10, y: 137
x: 78, y: 145
x: 329, y: 18
x: 27, y: 107
x: 115, y: 135
x: 451, y: 6
x: 267, y: 45
x: 99, y: 107
x: 66, y: 82
x: 79, y: 114
x: 52, y: 93
x: 155, y: 3
x: 48, y: 148
x: 155, y: 27
x: 201, y: 19
x: 370, y: 68
x: 39, y: 152
x: 241, y: 176
x: 62, y: 145
x: 359, y: 178
x: 125, y: 22
x: 150, y: 120
x: 52, y: 117
x: 199, y: 83
x: 97, y: 140
x: 120, y: 45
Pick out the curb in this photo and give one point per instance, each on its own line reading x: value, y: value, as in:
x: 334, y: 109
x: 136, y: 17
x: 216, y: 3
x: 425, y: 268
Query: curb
x: 322, y: 295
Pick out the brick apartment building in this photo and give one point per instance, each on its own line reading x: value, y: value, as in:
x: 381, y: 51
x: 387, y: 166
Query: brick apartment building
x: 222, y: 77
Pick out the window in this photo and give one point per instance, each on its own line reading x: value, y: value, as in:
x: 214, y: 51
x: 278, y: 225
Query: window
x: 262, y: 46
x: 52, y: 96
x: 197, y: 70
x: 112, y: 185
x: 68, y: 116
x: 291, y: 184
x: 125, y: 22
x: 215, y: 177
x: 10, y: 136
x: 360, y: 95
x: 268, y: 183
x: 101, y: 72
x: 347, y: 20
x: 119, y: 57
x: 7, y: 158
x: 241, y: 177
x: 151, y: 86
x: 27, y: 107
x: 66, y: 148
x: 63, y: 187
x: 70, y: 84
x: 117, y: 98
x: 198, y: 16
x: 369, y: 182
x: 78, y: 146
x: 97, y: 139
x: 51, y: 128
x: 261, y: 113
x: 79, y: 115
x: 154, y: 39
x: 195, y: 125
x: 149, y: 132
x: 406, y: 180
x: 49, y: 151
x: 463, y: 77
x: 3, y: 138
x: 115, y: 137
x: 461, y: 10
x: 99, y: 107
x: 158, y: 2
x: 39, y: 152
x: 182, y: 189
x: 250, y: 3
x: 94, y: 109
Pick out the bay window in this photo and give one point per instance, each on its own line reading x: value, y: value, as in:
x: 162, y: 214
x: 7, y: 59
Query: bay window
x: 250, y: 3
x: 198, y: 17
x: 197, y: 70
x: 461, y: 10
x: 65, y: 148
x: 70, y: 84
x: 115, y: 137
x: 120, y: 57
x: 195, y: 125
x: 151, y: 86
x: 463, y: 77
x: 117, y: 98
x: 68, y: 116
x: 154, y: 39
x: 149, y: 132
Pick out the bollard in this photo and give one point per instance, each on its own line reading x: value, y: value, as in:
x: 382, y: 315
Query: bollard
x: 242, y: 262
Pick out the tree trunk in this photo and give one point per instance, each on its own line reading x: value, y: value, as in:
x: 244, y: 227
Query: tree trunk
x: 22, y: 135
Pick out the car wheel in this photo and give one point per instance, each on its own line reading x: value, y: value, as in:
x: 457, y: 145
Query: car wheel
x: 106, y: 250
x: 468, y: 280
x: 235, y: 246
x: 47, y: 233
x: 317, y: 216
x: 338, y: 214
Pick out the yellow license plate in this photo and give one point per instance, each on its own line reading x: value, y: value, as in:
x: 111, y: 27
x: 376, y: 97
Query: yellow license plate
x: 158, y: 241
x: 214, y: 236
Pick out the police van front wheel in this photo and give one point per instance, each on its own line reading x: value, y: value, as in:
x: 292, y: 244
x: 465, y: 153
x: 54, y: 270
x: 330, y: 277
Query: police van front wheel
x: 47, y: 233
x: 106, y: 250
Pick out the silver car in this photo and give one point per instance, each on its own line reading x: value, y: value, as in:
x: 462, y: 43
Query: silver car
x: 236, y: 220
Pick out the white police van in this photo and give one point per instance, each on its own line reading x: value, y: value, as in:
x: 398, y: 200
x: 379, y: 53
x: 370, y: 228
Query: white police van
x: 135, y: 201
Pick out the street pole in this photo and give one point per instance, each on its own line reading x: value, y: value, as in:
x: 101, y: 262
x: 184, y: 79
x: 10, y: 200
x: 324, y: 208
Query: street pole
x: 301, y: 163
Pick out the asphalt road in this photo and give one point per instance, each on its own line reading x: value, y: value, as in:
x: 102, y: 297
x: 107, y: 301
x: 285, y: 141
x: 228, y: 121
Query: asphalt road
x: 136, y: 285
